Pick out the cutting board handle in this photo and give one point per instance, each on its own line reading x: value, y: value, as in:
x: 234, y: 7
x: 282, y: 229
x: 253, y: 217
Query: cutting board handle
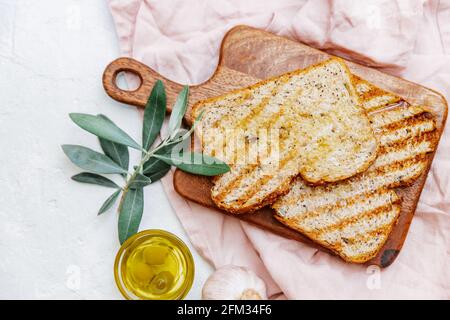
x: 147, y: 77
x: 224, y: 80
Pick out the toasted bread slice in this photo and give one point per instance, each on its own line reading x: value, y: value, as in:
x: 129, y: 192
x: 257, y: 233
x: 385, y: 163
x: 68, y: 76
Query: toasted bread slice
x: 306, y: 122
x: 354, y: 218
x: 372, y: 97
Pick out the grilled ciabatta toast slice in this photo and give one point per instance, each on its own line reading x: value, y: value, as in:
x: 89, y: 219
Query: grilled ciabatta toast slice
x: 306, y: 122
x: 354, y: 218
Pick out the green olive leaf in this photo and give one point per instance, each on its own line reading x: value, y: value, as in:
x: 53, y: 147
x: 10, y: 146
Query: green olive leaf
x: 93, y: 178
x: 154, y: 165
x: 194, y: 125
x: 155, y: 176
x: 130, y: 214
x: 178, y: 111
x: 139, y: 181
x: 91, y: 160
x: 109, y: 202
x: 155, y: 111
x: 103, y: 128
x: 195, y: 163
x: 117, y: 152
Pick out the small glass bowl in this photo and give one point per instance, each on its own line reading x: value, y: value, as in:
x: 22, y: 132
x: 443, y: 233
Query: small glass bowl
x: 186, y: 262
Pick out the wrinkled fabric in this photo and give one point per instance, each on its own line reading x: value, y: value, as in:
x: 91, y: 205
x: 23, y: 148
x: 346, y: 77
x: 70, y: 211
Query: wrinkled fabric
x: 181, y: 40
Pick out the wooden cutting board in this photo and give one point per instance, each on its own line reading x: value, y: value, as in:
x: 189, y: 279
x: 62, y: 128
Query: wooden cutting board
x: 248, y: 55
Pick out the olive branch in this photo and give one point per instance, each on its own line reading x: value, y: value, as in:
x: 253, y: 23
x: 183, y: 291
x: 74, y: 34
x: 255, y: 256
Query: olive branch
x: 155, y: 161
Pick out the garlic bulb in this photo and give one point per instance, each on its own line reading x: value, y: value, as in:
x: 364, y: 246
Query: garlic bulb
x: 234, y: 283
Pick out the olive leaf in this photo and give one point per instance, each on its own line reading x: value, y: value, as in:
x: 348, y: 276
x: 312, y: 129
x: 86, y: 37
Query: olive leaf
x: 117, y: 152
x: 155, y: 176
x: 155, y: 111
x: 139, y: 181
x: 93, y: 178
x: 195, y: 163
x: 154, y: 165
x: 194, y: 125
x: 91, y: 160
x: 109, y: 202
x: 103, y: 128
x: 130, y: 213
x: 178, y: 111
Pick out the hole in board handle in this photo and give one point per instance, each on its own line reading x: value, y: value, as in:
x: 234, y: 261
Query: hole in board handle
x: 127, y: 80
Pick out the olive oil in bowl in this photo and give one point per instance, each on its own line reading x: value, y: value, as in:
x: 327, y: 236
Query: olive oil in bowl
x: 154, y: 265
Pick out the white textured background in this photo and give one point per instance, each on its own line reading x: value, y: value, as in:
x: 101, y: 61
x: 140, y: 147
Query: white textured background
x: 52, y: 244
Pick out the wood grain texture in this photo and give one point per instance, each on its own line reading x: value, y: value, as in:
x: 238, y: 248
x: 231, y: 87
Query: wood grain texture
x: 247, y: 56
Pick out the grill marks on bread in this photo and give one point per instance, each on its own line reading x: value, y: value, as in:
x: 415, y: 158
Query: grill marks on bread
x: 322, y: 134
x: 354, y: 217
x: 372, y: 97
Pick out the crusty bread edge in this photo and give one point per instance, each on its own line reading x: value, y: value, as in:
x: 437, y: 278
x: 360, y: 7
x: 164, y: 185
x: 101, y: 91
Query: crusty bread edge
x: 268, y: 200
x: 195, y: 108
x: 395, y: 98
x: 358, y: 259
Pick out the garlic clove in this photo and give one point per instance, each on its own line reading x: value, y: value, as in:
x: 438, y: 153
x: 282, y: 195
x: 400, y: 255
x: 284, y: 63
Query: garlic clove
x: 250, y: 294
x: 234, y: 283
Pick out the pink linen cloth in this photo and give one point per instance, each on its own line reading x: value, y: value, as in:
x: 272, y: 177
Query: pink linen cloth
x: 181, y: 40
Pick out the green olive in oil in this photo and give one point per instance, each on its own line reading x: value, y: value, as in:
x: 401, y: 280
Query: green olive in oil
x: 154, y: 265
